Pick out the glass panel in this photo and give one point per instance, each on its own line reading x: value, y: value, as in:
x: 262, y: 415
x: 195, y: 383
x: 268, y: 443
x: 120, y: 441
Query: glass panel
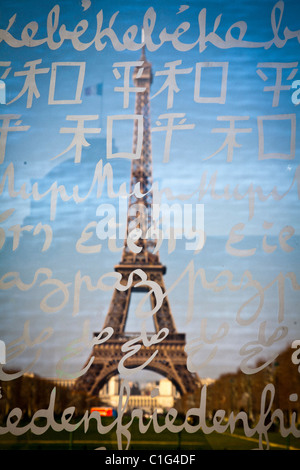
x: 150, y: 153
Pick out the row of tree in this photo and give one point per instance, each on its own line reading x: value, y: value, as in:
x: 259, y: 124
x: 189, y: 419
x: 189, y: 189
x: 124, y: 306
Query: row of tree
x: 242, y: 392
x: 31, y: 393
x: 231, y: 392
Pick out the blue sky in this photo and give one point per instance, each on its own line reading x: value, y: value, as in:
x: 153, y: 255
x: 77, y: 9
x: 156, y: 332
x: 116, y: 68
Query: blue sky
x: 32, y: 153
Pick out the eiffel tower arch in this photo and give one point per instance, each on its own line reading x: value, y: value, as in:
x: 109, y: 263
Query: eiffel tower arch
x: 168, y: 356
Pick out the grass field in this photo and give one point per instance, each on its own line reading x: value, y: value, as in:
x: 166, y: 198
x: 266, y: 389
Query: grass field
x: 78, y: 440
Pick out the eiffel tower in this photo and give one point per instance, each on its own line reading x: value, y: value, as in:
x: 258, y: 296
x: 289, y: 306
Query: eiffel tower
x: 170, y: 360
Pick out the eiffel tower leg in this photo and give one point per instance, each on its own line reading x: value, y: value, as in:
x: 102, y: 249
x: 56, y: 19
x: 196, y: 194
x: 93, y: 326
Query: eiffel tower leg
x: 118, y: 310
x: 163, y: 317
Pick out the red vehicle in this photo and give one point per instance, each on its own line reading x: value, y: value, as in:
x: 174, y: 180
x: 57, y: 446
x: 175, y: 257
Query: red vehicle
x: 104, y: 410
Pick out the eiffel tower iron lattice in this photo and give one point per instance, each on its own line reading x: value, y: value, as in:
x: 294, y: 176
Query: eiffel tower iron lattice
x: 169, y: 357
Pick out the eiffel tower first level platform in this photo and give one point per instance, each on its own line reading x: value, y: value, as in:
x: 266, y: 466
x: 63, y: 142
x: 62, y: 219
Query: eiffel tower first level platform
x: 166, y: 356
x: 169, y: 360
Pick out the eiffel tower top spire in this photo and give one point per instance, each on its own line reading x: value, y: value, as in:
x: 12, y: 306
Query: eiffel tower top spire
x: 139, y: 209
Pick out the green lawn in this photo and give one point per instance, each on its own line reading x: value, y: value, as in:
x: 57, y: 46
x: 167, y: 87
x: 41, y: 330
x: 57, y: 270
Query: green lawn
x: 78, y: 440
